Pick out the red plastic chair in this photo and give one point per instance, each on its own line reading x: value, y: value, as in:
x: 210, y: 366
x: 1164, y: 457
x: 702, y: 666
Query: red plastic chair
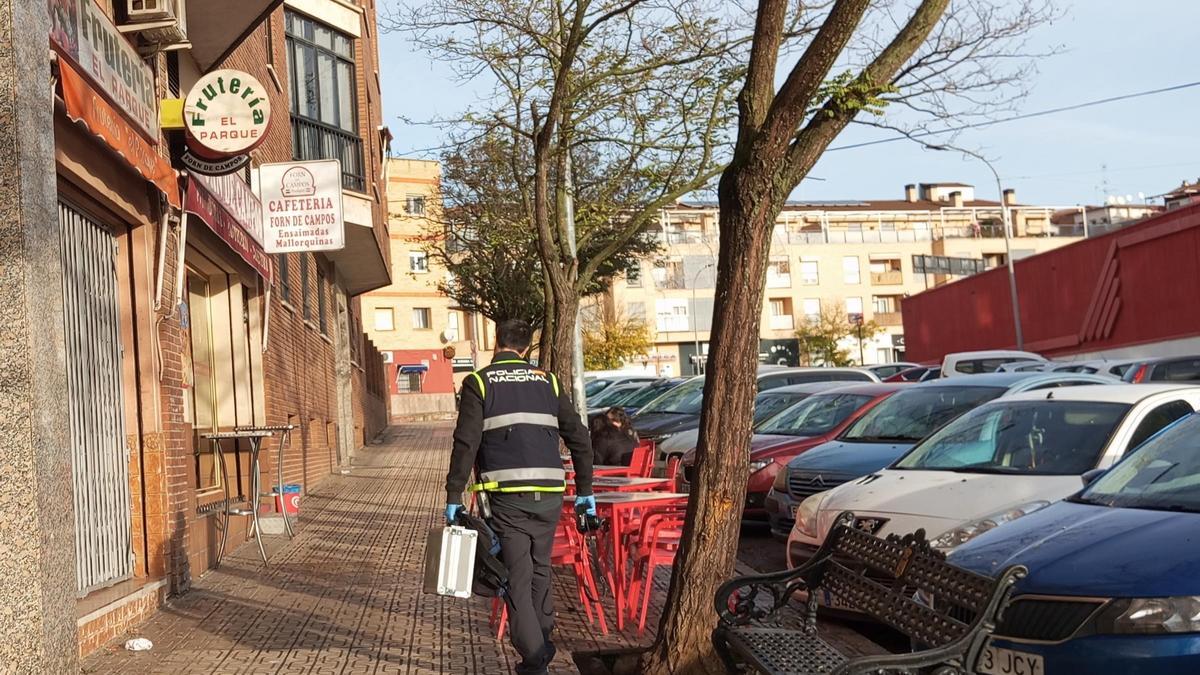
x: 656, y: 546
x: 642, y: 463
x: 673, y: 472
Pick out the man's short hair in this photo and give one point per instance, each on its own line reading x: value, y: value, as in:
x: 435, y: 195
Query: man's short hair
x: 514, y: 334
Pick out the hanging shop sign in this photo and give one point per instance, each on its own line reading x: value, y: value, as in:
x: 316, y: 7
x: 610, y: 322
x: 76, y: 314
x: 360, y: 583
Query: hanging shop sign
x: 226, y: 113
x: 87, y: 107
x: 302, y: 206
x: 202, y: 201
x: 85, y: 37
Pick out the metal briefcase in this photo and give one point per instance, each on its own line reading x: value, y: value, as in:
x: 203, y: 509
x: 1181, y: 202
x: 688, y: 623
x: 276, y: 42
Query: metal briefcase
x: 450, y: 561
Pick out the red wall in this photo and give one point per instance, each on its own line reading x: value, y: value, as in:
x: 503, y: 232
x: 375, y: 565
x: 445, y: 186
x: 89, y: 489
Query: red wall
x: 1137, y: 285
x: 439, y: 379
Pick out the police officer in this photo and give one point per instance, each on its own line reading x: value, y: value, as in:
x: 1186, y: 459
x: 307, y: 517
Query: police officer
x: 510, y: 418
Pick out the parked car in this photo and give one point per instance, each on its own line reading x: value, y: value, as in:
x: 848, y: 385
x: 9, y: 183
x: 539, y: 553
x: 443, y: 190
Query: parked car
x: 829, y: 409
x: 767, y: 405
x: 997, y: 463
x: 1099, y: 366
x: 1115, y: 588
x: 886, y: 370
x: 895, y: 425
x: 679, y: 409
x: 596, y: 385
x: 1167, y: 369
x: 975, y: 363
x: 916, y: 374
x: 632, y: 395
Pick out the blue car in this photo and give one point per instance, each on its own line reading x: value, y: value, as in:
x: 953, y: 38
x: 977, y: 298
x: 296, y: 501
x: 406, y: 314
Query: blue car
x: 887, y: 432
x: 1114, y: 571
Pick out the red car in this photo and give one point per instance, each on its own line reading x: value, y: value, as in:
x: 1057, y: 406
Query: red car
x: 817, y: 419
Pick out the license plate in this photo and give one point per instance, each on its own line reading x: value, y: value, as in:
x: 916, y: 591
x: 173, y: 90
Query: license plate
x: 834, y: 602
x: 1000, y: 661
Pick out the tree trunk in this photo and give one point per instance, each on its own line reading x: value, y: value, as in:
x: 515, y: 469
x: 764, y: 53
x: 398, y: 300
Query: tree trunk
x: 545, y: 339
x: 562, y: 342
x: 709, y: 548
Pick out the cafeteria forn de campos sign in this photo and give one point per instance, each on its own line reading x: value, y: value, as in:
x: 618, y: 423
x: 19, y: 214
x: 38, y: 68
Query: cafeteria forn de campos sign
x: 226, y: 113
x: 302, y: 206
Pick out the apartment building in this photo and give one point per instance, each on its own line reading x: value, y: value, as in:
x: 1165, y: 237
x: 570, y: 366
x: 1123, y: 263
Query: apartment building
x: 148, y: 314
x: 428, y: 342
x: 856, y: 256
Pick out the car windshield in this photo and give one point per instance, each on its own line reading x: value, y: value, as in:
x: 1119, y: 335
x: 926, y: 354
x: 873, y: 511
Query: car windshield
x: 768, y: 404
x: 909, y: 416
x: 612, y: 396
x: 1051, y: 438
x: 682, y: 400
x: 1163, y: 474
x: 814, y: 415
x: 595, y: 387
x: 644, y: 395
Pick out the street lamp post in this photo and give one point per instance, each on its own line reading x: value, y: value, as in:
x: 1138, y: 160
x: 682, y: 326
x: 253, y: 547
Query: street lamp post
x: 1012, y: 275
x: 695, y: 319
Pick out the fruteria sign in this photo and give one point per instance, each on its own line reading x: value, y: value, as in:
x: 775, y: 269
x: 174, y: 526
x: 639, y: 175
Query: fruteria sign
x: 226, y: 113
x: 302, y: 206
x: 84, y: 35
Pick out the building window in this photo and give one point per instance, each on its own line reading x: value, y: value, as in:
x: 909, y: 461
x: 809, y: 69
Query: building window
x: 812, y: 309
x: 452, y: 326
x: 418, y: 262
x: 305, y: 310
x: 633, y: 275
x: 414, y: 205
x: 324, y: 109
x: 854, y: 307
x: 422, y: 318
x: 808, y: 273
x: 850, y: 271
x: 779, y: 273
x: 285, y: 280
x: 408, y: 383
x: 322, y: 291
x: 385, y: 318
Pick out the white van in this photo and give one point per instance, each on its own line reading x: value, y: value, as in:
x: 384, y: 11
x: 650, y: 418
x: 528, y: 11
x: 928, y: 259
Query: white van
x: 975, y: 363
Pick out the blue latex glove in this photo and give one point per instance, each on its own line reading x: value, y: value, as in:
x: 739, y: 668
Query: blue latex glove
x: 590, y: 501
x: 452, y: 512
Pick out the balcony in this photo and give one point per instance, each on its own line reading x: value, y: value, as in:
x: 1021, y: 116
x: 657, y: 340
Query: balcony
x: 781, y: 322
x: 888, y: 319
x: 888, y: 278
x: 674, y: 282
x: 314, y: 140
x: 775, y: 280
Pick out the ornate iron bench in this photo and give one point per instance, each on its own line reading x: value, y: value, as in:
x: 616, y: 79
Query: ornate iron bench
x: 882, y: 578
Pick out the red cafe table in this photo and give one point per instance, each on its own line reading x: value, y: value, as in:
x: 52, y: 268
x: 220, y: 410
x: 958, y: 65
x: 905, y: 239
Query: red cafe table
x: 618, y: 508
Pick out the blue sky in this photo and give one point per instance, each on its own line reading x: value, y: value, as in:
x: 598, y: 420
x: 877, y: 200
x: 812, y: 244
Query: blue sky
x: 1113, y: 47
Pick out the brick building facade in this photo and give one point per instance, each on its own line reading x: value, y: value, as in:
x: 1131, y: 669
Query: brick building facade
x: 171, y: 321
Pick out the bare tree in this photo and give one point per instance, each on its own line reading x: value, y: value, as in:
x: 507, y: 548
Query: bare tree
x: 932, y: 58
x: 480, y: 232
x: 642, y: 87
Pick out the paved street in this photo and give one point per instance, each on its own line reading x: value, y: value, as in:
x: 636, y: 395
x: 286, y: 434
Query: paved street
x: 345, y: 596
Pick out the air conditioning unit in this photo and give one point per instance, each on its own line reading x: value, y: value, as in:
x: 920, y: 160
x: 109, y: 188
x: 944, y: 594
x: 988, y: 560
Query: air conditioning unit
x: 387, y: 357
x: 162, y: 23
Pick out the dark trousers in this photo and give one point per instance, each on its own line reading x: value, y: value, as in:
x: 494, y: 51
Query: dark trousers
x: 525, y: 525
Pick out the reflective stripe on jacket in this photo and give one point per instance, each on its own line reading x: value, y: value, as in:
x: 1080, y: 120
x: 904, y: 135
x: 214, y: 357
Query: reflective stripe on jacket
x: 519, y: 447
